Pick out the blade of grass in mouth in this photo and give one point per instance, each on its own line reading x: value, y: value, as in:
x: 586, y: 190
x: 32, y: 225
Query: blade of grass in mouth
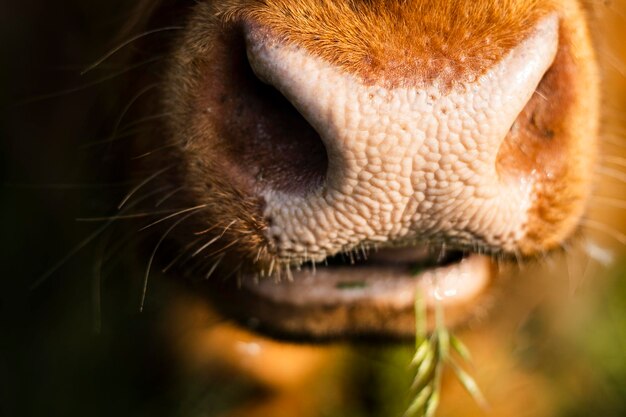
x: 432, y: 354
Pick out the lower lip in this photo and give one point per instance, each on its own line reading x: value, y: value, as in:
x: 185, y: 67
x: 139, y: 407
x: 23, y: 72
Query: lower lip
x: 394, y: 286
x: 378, y: 301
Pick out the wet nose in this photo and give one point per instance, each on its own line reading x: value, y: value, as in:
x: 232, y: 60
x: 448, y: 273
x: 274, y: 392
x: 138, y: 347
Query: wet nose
x: 409, y: 158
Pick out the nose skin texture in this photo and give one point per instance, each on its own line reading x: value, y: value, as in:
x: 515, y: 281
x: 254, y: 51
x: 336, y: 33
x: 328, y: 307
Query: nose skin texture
x: 404, y: 164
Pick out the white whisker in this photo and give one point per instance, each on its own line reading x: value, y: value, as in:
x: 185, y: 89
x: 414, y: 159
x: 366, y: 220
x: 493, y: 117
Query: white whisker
x: 84, y: 243
x: 208, y: 275
x: 178, y: 213
x: 126, y: 43
x: 168, y: 196
x: 141, y: 184
x: 215, y: 239
x: 615, y: 202
x: 151, y: 260
x: 617, y: 160
x: 620, y: 237
x: 612, y: 173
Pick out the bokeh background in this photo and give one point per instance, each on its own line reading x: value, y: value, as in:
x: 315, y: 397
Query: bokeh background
x: 72, y: 340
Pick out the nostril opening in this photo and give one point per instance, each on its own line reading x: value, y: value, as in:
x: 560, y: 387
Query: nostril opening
x: 267, y: 142
x: 537, y: 144
x: 289, y: 154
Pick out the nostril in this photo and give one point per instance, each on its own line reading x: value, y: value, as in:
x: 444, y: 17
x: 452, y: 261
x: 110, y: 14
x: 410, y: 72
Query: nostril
x: 267, y: 143
x: 536, y: 144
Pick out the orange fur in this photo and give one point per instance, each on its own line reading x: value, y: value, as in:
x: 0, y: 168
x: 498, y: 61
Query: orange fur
x: 402, y: 43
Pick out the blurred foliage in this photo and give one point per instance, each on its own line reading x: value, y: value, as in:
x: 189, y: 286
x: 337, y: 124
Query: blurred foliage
x: 594, y: 365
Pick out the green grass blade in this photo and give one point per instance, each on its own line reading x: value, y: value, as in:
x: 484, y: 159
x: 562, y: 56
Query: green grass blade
x: 432, y: 406
x: 460, y: 348
x: 425, y: 369
x: 420, y: 353
x: 417, y: 406
x: 469, y: 384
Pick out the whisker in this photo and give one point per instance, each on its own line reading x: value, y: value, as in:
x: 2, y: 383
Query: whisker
x: 541, y: 95
x: 81, y: 245
x: 114, y: 250
x: 289, y: 274
x: 66, y: 186
x: 168, y: 196
x: 617, y: 160
x: 87, y: 85
x: 205, y: 231
x: 214, y: 267
x: 96, y: 289
x: 126, y: 43
x: 215, y: 239
x: 143, y: 155
x: 614, y: 139
x: 112, y: 138
x: 124, y: 217
x: 156, y: 248
x: 206, y: 245
x: 611, y: 59
x: 130, y: 104
x: 234, y: 242
x: 182, y: 253
x: 178, y: 213
x: 147, y: 119
x: 271, y: 267
x: 612, y: 173
x: 141, y: 184
x: 615, y: 202
x: 574, y: 273
x: 620, y: 237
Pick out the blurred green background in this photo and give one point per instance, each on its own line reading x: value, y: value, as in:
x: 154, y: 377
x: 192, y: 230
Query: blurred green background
x: 77, y: 346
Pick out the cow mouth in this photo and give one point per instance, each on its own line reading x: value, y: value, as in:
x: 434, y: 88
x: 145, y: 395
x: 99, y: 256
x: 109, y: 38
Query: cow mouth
x: 367, y: 294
